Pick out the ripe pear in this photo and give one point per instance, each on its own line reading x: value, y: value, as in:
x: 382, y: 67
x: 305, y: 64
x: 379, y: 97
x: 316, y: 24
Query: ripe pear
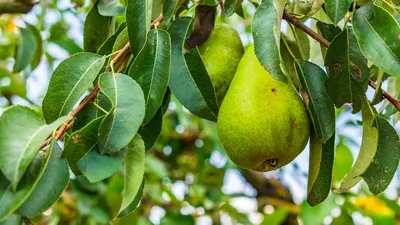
x: 262, y: 123
x: 221, y: 54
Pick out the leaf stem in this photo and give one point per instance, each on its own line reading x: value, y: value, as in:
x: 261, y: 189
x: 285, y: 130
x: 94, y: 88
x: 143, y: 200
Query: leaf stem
x: 99, y: 107
x: 291, y: 19
x: 113, y: 53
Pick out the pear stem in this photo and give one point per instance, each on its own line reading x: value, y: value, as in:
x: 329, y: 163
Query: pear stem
x: 291, y: 19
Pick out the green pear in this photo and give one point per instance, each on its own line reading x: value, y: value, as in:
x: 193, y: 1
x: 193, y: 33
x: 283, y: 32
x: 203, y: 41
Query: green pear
x: 262, y: 123
x: 221, y: 54
x: 307, y: 7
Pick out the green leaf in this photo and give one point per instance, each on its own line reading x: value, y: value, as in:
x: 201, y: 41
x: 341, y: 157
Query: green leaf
x: 25, y: 50
x: 12, y: 220
x: 96, y: 167
x: 328, y: 31
x: 151, y: 70
x: 393, y: 87
x: 71, y: 79
x: 316, y: 214
x: 367, y: 151
x: 96, y: 30
x: 378, y: 90
x: 165, y: 103
x: 385, y: 163
x: 69, y: 45
x: 108, y: 45
x: 231, y: 6
x: 302, y: 42
x: 23, y: 132
x: 278, y: 217
x: 50, y: 186
x: 172, y: 218
x: 138, y: 23
x: 237, y: 216
x: 156, y: 8
x: 320, y: 169
x: 343, y: 162
x: 289, y: 61
x: 152, y: 130
x: 39, y: 43
x: 80, y: 143
x: 320, y: 106
x: 337, y: 9
x: 85, y: 116
x: 240, y: 12
x: 10, y: 200
x: 377, y: 34
x: 169, y: 9
x: 135, y: 203
x: 189, y: 80
x: 119, y: 44
x: 110, y: 8
x: 348, y: 71
x: 122, y: 123
x: 266, y: 33
x: 17, y: 85
x: 121, y: 40
x: 134, y: 171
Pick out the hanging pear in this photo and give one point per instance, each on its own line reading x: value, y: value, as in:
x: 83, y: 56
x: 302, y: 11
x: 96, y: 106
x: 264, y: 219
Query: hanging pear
x: 262, y: 123
x: 221, y: 54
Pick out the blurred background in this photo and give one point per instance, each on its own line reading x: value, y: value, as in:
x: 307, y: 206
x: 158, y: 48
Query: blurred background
x: 189, y: 179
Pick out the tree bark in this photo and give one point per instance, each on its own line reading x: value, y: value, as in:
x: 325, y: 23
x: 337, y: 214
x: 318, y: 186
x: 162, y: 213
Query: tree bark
x: 16, y: 6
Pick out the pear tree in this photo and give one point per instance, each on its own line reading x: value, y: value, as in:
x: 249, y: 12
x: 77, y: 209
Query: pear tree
x: 272, y: 92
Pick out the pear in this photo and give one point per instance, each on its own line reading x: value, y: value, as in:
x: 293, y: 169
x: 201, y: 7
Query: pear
x: 262, y: 123
x: 221, y: 54
x: 307, y: 7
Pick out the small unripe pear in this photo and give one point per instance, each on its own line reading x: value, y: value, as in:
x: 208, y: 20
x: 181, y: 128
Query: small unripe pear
x: 307, y: 7
x: 221, y: 54
x: 262, y: 123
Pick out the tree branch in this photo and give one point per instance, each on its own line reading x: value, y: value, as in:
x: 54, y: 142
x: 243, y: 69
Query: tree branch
x: 291, y: 19
x: 16, y: 6
x: 122, y: 56
x: 390, y: 98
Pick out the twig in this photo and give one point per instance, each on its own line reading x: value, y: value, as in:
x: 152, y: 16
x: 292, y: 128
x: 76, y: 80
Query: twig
x: 66, y: 126
x: 122, y: 55
x: 391, y: 99
x: 291, y: 19
x: 156, y: 21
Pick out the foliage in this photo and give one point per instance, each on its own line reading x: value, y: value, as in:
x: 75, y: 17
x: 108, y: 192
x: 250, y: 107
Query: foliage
x: 129, y: 114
